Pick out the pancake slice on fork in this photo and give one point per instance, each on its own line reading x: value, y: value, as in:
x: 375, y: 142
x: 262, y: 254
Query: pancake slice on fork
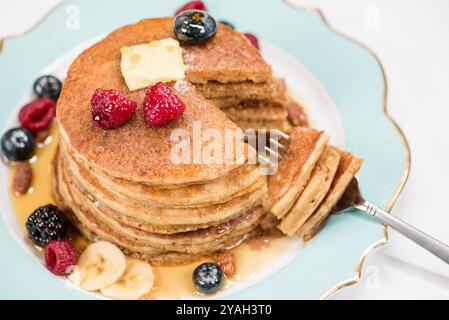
x: 348, y: 167
x: 305, y: 147
x: 313, y: 193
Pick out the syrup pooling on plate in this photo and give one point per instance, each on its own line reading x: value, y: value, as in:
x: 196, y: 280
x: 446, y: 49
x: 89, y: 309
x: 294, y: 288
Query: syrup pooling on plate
x: 40, y: 192
x: 250, y: 259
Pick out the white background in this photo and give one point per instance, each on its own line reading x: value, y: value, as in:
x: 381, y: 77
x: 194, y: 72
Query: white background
x: 411, y: 37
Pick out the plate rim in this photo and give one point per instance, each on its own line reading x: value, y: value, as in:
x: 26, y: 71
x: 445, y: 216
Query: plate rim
x: 408, y: 158
x: 358, y: 274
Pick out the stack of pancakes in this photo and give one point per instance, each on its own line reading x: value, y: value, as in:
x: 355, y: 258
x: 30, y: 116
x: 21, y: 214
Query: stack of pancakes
x: 124, y: 185
x: 311, y: 178
x: 250, y: 104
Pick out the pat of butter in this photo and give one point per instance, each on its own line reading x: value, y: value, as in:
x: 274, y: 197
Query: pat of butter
x: 146, y: 64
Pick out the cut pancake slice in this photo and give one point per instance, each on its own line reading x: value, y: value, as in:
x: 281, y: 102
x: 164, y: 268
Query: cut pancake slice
x: 273, y: 90
x: 347, y: 169
x: 233, y: 102
x: 314, y: 193
x: 305, y: 147
x: 282, y: 124
x: 236, y: 102
x: 259, y: 117
x: 227, y: 57
x: 257, y: 112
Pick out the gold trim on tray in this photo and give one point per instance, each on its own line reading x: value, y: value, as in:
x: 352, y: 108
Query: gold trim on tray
x: 359, y: 266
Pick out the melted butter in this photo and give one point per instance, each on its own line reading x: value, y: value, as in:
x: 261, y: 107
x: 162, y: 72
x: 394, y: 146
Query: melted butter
x: 170, y: 281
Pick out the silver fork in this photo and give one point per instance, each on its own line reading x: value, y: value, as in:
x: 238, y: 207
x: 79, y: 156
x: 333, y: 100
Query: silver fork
x: 352, y: 199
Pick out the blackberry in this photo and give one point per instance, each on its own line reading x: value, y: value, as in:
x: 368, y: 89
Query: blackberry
x: 46, y: 224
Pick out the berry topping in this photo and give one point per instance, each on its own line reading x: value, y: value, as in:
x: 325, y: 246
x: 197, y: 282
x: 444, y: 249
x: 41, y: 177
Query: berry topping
x: 46, y: 224
x: 110, y: 109
x: 194, y: 27
x: 208, y: 277
x: 60, y: 255
x: 253, y: 39
x: 192, y: 5
x: 161, y: 105
x: 18, y: 144
x: 227, y: 24
x: 38, y: 114
x: 47, y: 86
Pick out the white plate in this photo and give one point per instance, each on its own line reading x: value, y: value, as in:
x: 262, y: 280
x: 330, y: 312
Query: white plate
x: 301, y: 82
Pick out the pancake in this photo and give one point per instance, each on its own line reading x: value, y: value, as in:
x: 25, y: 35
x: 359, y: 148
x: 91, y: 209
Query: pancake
x: 227, y: 57
x: 273, y: 90
x: 259, y: 116
x: 124, y: 185
x: 152, y: 243
x: 179, y: 219
x: 305, y: 147
x: 282, y: 125
x: 258, y: 112
x: 239, y: 182
x: 348, y: 167
x: 314, y: 193
x: 238, y: 102
x: 134, y: 151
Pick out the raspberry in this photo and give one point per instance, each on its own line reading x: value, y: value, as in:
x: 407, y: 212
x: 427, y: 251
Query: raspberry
x: 192, y: 5
x: 59, y: 256
x: 161, y: 105
x: 37, y: 115
x: 253, y: 39
x: 110, y: 109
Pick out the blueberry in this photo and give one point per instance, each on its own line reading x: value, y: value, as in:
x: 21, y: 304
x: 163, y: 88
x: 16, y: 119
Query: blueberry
x: 18, y: 144
x: 227, y: 23
x: 194, y: 27
x: 47, y: 86
x: 208, y: 277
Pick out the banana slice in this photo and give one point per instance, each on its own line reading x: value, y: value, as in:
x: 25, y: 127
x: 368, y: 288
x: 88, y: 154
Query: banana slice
x: 100, y: 265
x: 137, y: 281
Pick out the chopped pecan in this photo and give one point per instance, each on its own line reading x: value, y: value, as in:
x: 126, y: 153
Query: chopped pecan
x: 225, y: 260
x: 296, y: 114
x: 22, y: 177
x: 41, y: 136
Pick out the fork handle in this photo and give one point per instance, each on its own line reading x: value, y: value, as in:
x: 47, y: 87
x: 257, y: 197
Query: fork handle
x: 432, y: 245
